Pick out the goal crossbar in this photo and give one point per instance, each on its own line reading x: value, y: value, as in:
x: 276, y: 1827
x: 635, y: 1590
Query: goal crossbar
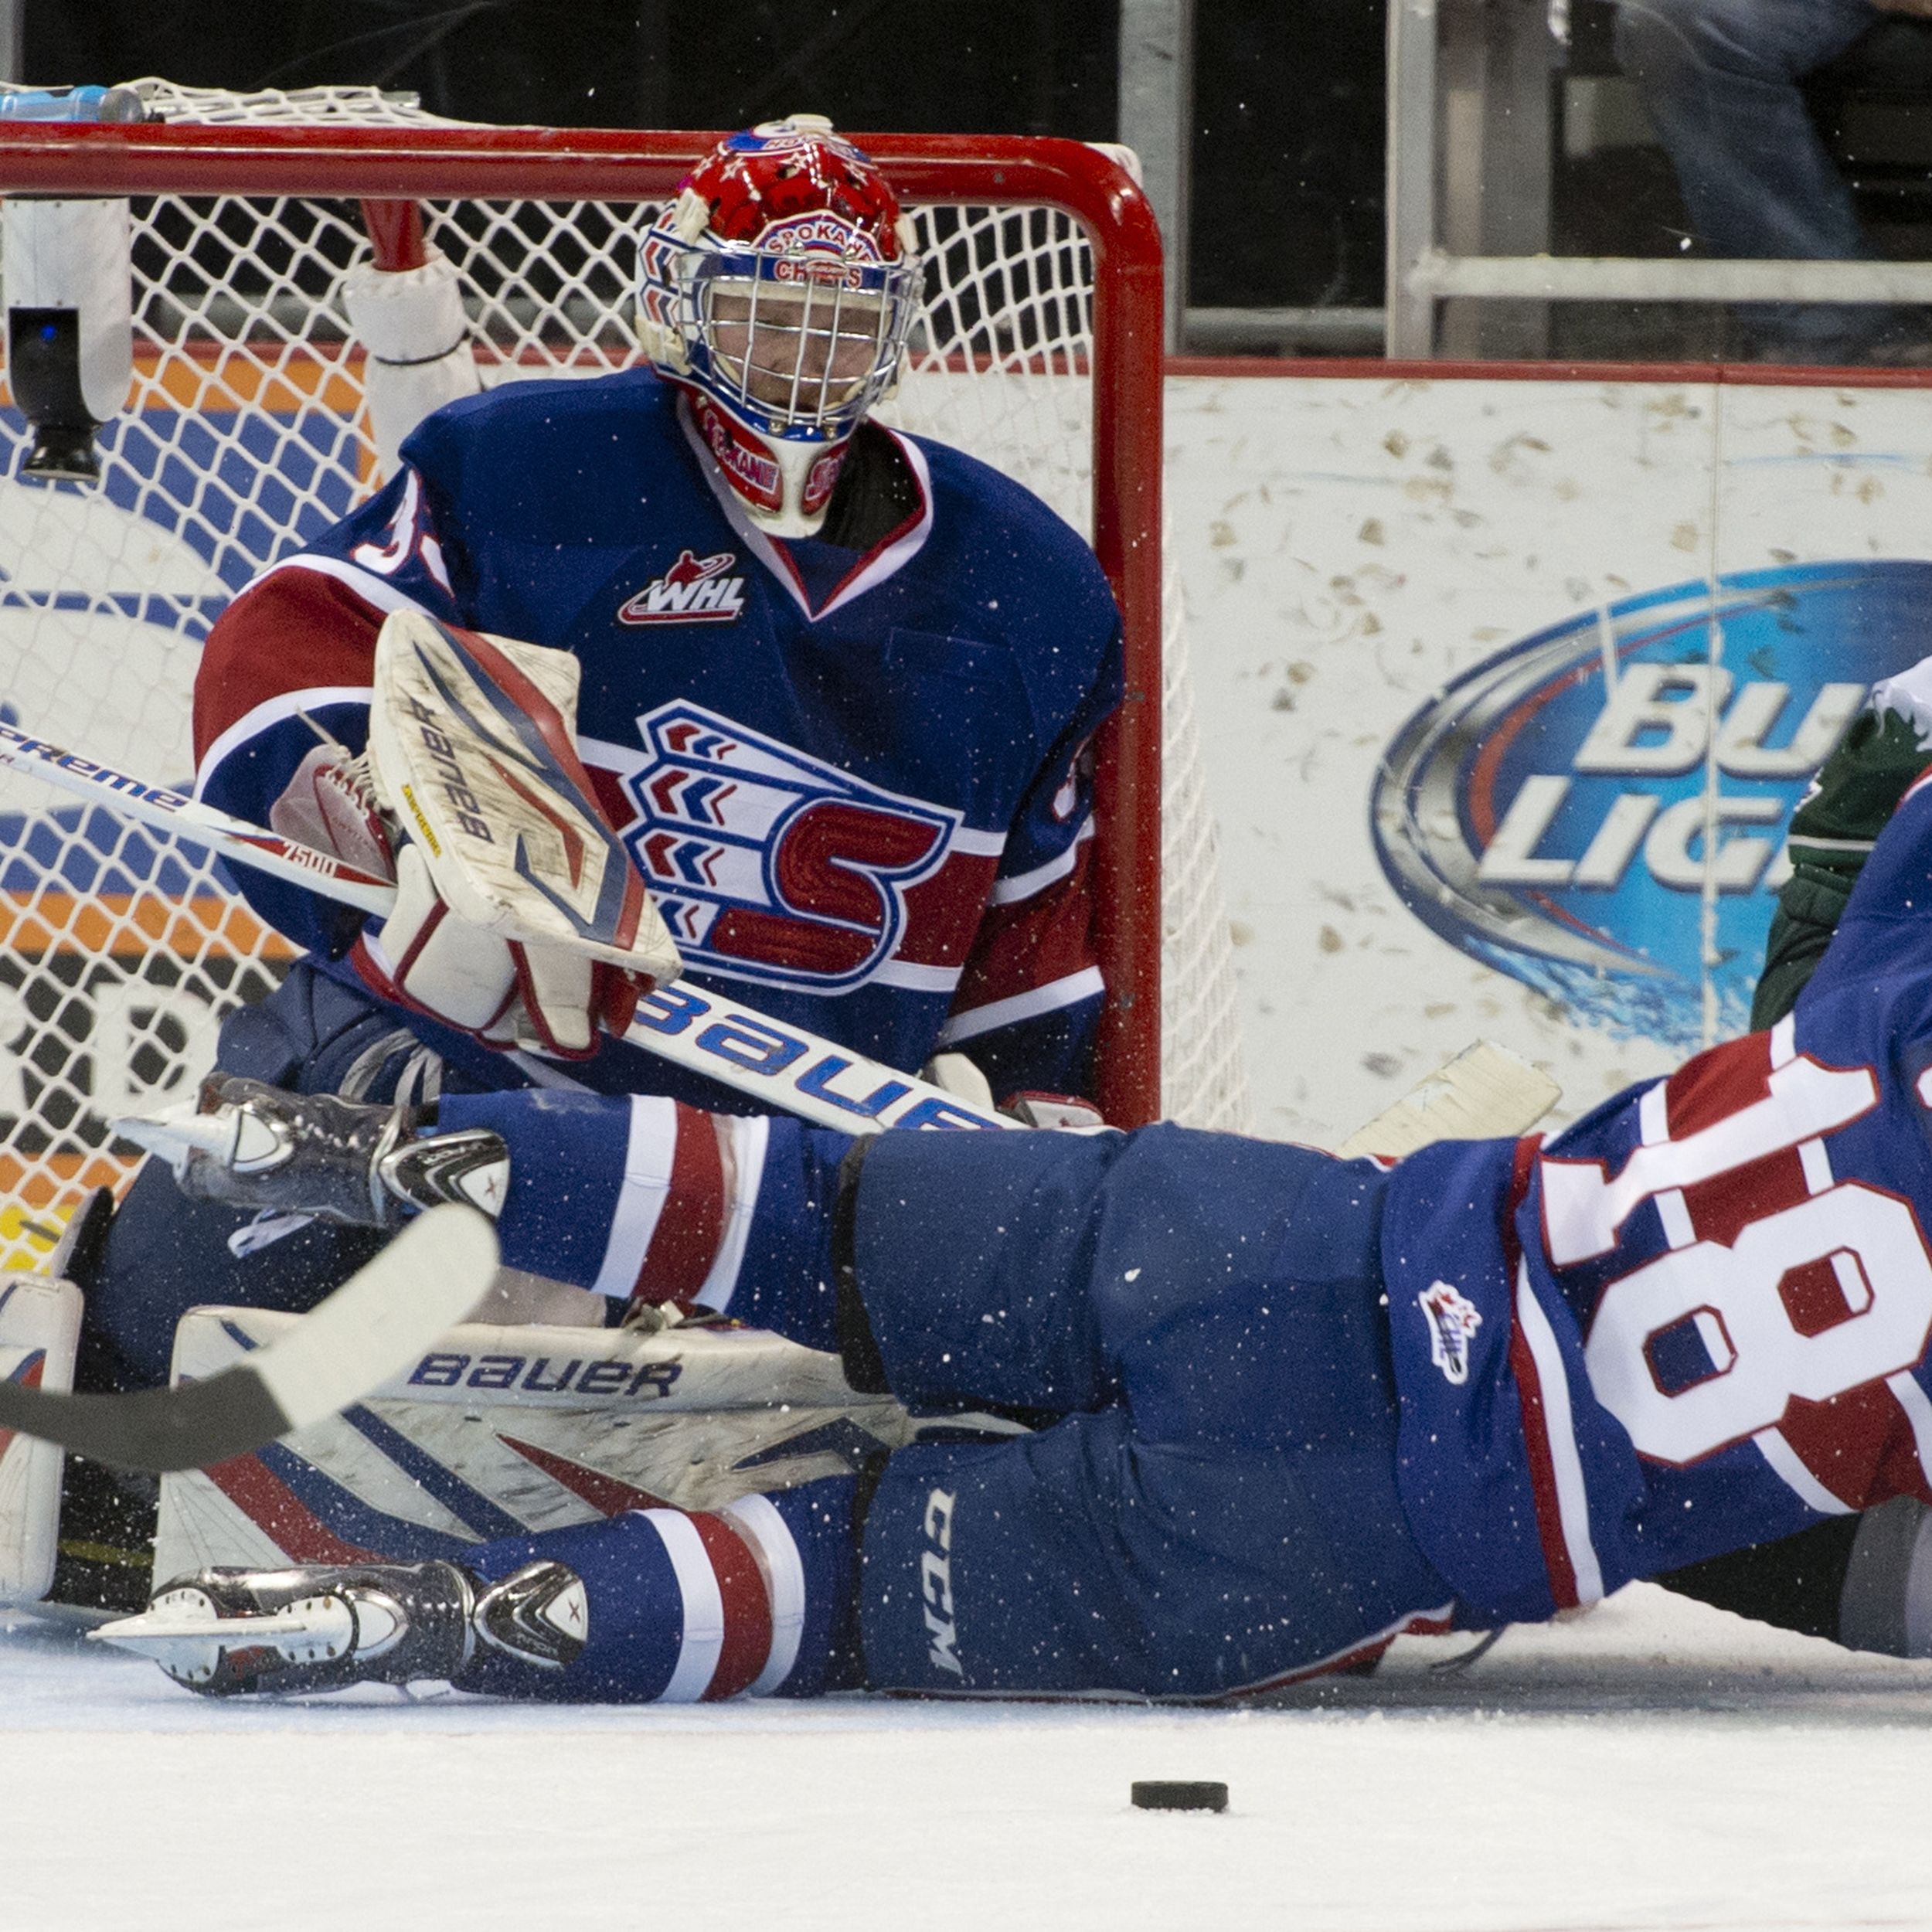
x: 426, y: 162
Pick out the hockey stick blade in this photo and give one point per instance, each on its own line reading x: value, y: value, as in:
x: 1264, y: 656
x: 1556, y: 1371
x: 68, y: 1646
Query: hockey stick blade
x: 1485, y: 1092
x: 782, y: 1066
x: 425, y: 1280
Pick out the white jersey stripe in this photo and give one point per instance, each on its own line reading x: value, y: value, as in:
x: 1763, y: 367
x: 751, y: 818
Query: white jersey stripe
x: 771, y: 1542
x: 1085, y: 984
x: 1010, y: 892
x: 376, y: 592
x: 606, y: 754
x: 1783, y: 1041
x: 269, y: 713
x: 1784, y: 1460
x: 980, y: 844
x: 919, y: 979
x: 640, y: 1196
x: 703, y: 1641
x: 748, y: 1136
x: 1572, y: 1500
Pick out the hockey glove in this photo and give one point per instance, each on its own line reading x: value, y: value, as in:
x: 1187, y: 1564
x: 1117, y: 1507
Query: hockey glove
x: 505, y: 993
x: 1065, y: 1112
x: 520, y: 919
x: 1884, y: 752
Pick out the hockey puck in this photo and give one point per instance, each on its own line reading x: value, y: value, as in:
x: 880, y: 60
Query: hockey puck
x: 1179, y: 1794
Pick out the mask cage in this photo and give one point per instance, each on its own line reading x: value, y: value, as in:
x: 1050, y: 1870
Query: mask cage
x: 814, y: 302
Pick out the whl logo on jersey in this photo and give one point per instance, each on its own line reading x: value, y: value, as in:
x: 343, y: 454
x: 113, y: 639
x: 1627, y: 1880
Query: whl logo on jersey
x: 770, y: 865
x: 694, y: 590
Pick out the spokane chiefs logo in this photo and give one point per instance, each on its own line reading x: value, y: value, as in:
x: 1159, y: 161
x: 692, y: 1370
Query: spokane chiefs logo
x: 1547, y: 812
x: 694, y: 590
x: 769, y: 865
x: 1453, y: 1320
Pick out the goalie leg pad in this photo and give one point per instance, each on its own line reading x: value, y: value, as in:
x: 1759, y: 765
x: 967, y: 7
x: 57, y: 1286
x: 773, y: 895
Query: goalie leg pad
x: 39, y: 1330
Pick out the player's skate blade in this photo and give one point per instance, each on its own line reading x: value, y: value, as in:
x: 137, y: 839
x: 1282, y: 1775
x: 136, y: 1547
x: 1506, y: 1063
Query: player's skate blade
x: 249, y: 1144
x: 320, y: 1626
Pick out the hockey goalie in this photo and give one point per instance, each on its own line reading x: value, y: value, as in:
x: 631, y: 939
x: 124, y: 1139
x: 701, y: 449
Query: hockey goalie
x: 471, y: 747
x: 829, y: 689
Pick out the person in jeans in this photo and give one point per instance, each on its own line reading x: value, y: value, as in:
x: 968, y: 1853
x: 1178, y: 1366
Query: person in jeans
x: 1721, y: 82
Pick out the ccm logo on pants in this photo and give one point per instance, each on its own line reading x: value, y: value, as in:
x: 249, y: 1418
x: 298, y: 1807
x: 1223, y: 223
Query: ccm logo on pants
x: 936, y: 1584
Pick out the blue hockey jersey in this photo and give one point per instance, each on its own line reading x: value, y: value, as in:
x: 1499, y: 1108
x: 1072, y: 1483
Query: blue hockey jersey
x: 1700, y: 1317
x: 857, y: 782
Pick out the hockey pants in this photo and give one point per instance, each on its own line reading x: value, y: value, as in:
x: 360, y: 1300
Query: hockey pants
x: 1208, y: 1502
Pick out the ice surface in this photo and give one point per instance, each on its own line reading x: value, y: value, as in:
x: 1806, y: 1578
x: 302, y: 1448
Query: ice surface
x: 1654, y: 1764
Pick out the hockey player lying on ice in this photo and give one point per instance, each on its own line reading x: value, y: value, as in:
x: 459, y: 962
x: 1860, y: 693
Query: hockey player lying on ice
x: 1287, y: 1404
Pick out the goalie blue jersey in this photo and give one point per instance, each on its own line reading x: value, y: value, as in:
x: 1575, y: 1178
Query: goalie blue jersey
x: 858, y: 784
x: 1699, y: 1317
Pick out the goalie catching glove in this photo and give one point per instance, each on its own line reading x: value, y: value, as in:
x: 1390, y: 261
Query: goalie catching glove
x: 519, y: 918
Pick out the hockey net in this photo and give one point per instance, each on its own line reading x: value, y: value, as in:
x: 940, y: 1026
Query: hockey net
x: 245, y: 434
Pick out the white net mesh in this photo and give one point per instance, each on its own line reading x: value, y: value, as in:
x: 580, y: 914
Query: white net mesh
x: 244, y: 436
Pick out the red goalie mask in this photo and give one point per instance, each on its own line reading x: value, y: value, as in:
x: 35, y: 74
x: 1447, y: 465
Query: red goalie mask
x: 779, y: 289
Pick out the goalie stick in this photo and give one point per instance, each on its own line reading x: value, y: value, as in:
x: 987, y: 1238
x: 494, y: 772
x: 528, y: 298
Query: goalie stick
x: 1485, y: 1091
x: 782, y: 1066
x: 431, y: 1276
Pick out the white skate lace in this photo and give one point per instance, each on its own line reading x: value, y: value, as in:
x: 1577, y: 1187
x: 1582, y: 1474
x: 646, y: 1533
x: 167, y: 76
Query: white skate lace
x: 360, y: 781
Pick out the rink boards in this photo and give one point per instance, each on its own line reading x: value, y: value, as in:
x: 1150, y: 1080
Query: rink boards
x: 1476, y: 656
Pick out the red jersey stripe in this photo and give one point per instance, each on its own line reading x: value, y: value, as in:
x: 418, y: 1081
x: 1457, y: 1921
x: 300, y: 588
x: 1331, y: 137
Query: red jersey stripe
x: 690, y: 1224
x: 1530, y: 1395
x: 295, y: 630
x: 747, y: 1608
x: 1042, y: 940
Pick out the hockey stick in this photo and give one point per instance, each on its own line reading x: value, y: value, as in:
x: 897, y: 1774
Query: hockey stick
x: 425, y: 1282
x: 1485, y: 1092
x: 784, y: 1067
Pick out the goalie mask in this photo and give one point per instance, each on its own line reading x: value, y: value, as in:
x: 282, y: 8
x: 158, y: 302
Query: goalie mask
x: 778, y: 290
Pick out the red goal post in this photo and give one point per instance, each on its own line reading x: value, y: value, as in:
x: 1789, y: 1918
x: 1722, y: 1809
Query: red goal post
x: 219, y: 167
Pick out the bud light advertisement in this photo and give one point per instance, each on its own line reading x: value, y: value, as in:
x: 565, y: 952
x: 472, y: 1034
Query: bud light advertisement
x: 1599, y: 810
